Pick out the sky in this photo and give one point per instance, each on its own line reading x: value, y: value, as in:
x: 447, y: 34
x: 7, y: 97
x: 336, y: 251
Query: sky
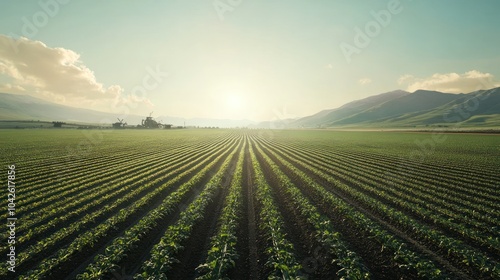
x: 239, y: 59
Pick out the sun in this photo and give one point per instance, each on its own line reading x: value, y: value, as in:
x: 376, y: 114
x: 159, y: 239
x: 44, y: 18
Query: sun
x: 234, y: 102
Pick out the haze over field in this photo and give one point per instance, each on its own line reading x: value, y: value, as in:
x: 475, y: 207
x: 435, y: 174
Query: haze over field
x: 246, y: 60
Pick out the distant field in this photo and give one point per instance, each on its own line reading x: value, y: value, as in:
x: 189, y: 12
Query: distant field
x: 252, y: 204
x: 29, y: 124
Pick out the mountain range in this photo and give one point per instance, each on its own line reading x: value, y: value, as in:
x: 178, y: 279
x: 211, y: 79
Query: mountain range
x: 404, y: 109
x: 395, y: 109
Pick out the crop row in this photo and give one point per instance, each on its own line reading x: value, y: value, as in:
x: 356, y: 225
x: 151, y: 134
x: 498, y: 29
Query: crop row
x: 86, y: 191
x: 467, y: 255
x: 144, y: 206
x: 105, y: 263
x: 42, y: 177
x: 222, y: 254
x: 411, y: 199
x: 163, y: 254
x: 127, y: 185
x: 102, y: 174
x: 281, y: 259
x: 434, y: 177
x: 59, y: 167
x: 419, y: 186
x: 469, y: 176
x: 402, y: 254
x: 350, y: 263
x: 438, y: 178
x: 84, y: 188
x: 91, y: 237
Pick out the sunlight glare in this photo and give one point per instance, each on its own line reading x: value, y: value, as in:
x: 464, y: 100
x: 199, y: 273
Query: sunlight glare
x: 234, y: 102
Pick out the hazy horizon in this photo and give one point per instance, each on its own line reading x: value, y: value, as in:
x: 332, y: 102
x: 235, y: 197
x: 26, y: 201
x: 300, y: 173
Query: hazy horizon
x: 252, y: 60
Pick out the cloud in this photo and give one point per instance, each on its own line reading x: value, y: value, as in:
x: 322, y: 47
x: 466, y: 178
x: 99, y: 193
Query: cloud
x: 451, y: 82
x: 54, y: 74
x: 365, y: 81
x: 12, y: 88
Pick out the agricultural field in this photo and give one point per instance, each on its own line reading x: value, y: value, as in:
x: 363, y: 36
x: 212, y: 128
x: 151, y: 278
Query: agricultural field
x: 250, y: 204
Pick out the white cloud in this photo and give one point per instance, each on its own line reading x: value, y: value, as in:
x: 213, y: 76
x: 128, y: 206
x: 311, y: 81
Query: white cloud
x: 365, y: 81
x: 405, y: 79
x: 451, y: 82
x: 54, y: 74
x: 12, y: 88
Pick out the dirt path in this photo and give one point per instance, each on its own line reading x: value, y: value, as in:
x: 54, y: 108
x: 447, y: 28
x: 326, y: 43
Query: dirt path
x: 252, y: 226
